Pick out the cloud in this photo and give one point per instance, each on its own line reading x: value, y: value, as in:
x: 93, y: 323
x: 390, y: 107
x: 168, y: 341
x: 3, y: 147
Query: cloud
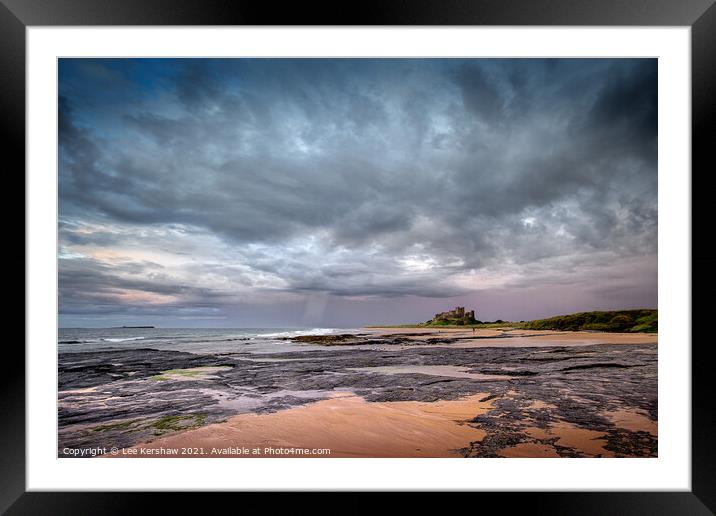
x: 261, y: 179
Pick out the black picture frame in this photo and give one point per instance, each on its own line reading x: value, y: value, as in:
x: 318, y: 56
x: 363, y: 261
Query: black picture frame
x: 700, y: 15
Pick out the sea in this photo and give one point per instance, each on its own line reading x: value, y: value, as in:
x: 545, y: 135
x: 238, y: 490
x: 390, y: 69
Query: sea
x: 192, y: 340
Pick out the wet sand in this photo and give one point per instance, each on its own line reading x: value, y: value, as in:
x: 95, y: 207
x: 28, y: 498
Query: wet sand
x: 547, y: 441
x: 347, y: 425
x: 508, y: 337
x: 633, y: 420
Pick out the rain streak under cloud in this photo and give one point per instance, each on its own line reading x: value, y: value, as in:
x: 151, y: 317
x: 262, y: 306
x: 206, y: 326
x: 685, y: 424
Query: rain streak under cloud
x: 342, y: 192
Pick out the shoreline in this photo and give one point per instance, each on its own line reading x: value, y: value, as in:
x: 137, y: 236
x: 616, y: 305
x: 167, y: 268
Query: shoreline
x: 508, y: 337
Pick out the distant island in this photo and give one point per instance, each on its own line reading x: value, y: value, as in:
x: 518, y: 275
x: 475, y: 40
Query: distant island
x: 619, y: 321
x: 136, y: 327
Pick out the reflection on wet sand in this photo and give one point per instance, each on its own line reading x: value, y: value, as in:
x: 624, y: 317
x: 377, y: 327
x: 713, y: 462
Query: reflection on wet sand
x: 444, y: 370
x: 348, y: 426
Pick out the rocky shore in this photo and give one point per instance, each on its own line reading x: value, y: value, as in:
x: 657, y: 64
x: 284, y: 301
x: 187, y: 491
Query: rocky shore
x: 552, y: 398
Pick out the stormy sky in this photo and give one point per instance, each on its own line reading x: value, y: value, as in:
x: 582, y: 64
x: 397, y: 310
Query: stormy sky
x: 342, y: 192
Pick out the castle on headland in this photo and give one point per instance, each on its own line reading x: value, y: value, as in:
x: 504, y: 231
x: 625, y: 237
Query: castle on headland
x: 456, y: 316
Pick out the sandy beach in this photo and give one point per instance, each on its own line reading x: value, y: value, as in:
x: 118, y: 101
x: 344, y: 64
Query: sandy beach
x: 345, y: 425
x: 523, y: 338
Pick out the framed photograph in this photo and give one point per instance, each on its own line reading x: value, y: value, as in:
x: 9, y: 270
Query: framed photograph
x: 419, y: 247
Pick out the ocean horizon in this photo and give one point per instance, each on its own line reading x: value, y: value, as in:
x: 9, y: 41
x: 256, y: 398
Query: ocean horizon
x: 193, y: 340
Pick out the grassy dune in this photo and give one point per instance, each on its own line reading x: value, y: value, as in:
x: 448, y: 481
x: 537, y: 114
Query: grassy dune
x: 645, y: 320
x: 623, y: 321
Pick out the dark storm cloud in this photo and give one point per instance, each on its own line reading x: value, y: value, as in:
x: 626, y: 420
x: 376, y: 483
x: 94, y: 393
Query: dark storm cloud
x: 90, y: 286
x: 480, y: 94
x: 378, y: 178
